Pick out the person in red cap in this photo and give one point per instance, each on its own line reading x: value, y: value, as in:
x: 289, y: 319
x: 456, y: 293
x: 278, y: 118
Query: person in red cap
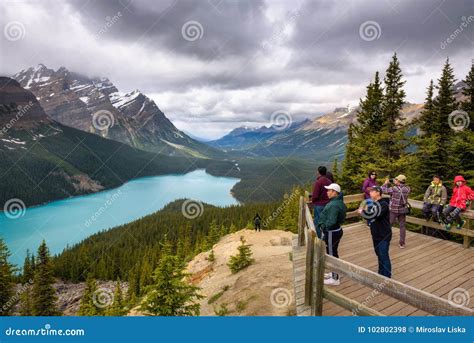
x: 462, y: 194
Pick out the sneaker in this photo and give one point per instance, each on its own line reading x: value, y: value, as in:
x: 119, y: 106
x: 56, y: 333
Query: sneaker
x: 332, y: 282
x: 460, y: 225
x: 447, y: 227
x: 402, y: 246
x: 327, y: 275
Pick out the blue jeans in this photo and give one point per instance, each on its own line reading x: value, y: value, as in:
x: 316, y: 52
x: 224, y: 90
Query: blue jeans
x: 317, y: 209
x: 381, y: 250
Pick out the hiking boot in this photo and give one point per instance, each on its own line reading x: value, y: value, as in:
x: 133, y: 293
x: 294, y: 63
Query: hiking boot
x: 460, y: 225
x: 332, y: 282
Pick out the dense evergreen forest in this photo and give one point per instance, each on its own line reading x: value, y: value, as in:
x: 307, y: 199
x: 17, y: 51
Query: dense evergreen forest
x: 380, y: 141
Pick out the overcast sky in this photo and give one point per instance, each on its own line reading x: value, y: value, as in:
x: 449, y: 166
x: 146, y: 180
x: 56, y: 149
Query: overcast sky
x: 213, y: 65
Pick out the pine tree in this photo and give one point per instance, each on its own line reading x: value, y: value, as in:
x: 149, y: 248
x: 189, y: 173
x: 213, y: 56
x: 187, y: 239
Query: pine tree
x: 362, y: 138
x: 243, y: 259
x: 43, y: 292
x: 88, y: 306
x: 443, y: 105
x: 392, y: 138
x: 463, y: 140
x: 170, y: 294
x: 7, y: 283
x: 370, y: 116
x: 335, y: 170
x: 117, y: 308
x: 430, y: 159
x: 26, y: 305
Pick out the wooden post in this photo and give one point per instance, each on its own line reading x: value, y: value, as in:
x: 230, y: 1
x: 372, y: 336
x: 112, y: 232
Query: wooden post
x: 308, y: 287
x: 301, y: 223
x: 318, y: 279
x: 466, y: 242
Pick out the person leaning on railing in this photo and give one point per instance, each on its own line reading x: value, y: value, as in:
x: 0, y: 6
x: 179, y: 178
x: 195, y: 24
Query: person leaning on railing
x: 331, y: 218
x: 378, y: 218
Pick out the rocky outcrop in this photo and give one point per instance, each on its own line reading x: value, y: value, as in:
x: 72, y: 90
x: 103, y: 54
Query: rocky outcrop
x: 265, y: 288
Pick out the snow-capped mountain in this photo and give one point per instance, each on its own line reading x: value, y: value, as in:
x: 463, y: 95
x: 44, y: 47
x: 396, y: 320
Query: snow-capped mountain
x: 96, y: 105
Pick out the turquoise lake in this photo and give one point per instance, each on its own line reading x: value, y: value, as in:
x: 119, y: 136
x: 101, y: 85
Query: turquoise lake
x: 69, y: 221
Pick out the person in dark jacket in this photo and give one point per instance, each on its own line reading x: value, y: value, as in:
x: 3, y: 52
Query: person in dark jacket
x: 378, y: 216
x: 256, y: 222
x: 330, y: 221
x: 319, y: 196
x: 369, y: 182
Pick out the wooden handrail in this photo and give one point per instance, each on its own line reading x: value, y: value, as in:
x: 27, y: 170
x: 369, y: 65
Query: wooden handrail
x: 317, y: 260
x: 400, y: 291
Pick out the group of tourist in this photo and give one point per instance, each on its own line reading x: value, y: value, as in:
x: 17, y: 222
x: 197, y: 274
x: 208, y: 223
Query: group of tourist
x: 381, y: 212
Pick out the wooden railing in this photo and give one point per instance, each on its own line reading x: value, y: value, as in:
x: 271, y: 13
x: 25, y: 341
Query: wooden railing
x: 317, y: 260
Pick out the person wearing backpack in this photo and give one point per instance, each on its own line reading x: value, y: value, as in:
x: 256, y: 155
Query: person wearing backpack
x: 434, y: 199
x: 462, y: 194
x: 256, y: 222
x: 319, y: 196
x: 399, y: 206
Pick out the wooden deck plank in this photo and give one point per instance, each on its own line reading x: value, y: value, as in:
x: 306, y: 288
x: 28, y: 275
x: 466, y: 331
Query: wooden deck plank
x: 428, y: 263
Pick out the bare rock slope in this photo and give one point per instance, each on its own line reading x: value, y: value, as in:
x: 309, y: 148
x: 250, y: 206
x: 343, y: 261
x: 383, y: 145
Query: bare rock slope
x: 265, y: 288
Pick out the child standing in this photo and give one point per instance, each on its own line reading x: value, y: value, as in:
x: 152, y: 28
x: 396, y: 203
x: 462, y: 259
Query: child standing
x: 462, y: 194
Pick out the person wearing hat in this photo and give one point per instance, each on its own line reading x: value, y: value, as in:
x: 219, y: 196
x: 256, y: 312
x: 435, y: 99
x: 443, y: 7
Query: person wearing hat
x: 330, y: 221
x: 378, y: 217
x: 398, y: 203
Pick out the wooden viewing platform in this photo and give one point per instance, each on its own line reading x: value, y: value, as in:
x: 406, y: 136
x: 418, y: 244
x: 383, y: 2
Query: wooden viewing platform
x: 429, y: 276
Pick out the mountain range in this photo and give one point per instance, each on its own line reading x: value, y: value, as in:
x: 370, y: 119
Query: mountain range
x: 319, y: 139
x: 44, y: 160
x: 95, y: 105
